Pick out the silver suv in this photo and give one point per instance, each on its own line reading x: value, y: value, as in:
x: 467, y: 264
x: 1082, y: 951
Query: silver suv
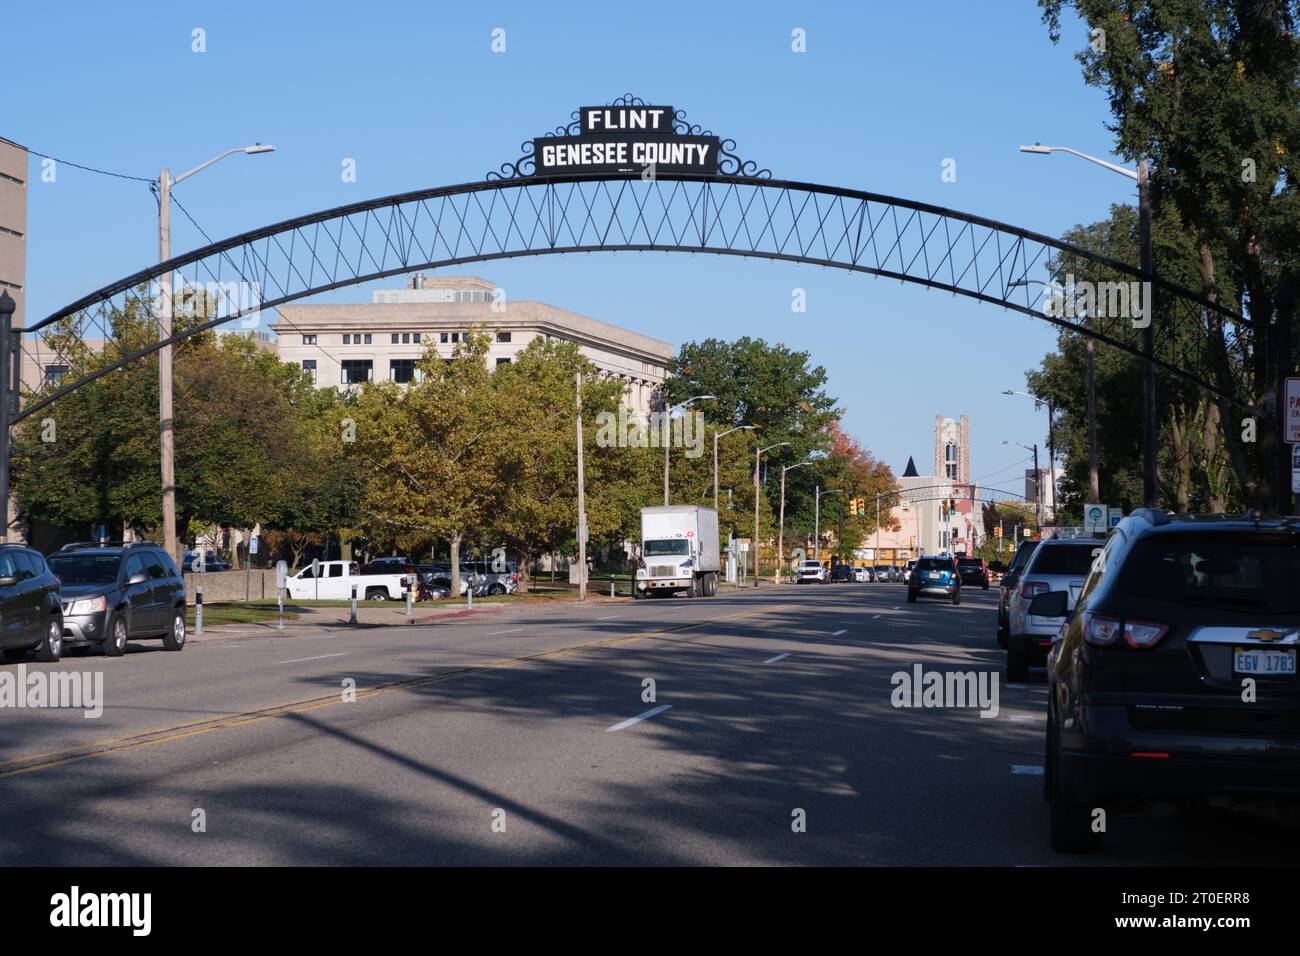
x: 1057, y: 564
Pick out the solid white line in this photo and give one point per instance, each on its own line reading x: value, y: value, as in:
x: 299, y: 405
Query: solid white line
x: 639, y: 717
x: 509, y: 630
x: 897, y: 607
x: 321, y: 657
x: 839, y: 632
x: 1027, y: 770
x: 1025, y: 717
x: 779, y: 657
x: 607, y: 617
x: 875, y: 617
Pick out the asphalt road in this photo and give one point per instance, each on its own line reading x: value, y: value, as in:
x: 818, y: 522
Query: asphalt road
x: 511, y: 738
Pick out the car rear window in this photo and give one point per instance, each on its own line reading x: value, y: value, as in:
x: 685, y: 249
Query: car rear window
x: 970, y: 562
x: 1247, y: 572
x: 934, y: 564
x: 1064, y: 559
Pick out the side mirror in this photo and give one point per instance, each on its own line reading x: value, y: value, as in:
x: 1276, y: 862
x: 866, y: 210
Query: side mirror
x: 138, y: 578
x: 1050, y: 604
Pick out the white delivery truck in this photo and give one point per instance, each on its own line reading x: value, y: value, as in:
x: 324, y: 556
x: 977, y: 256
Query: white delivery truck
x: 336, y: 580
x: 679, y: 551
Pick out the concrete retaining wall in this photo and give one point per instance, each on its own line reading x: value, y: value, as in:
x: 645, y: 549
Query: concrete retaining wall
x: 221, y: 586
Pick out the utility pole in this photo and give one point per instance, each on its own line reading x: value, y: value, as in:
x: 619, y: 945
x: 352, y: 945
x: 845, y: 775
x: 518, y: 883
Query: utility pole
x: 1150, y: 428
x: 167, y: 445
x: 754, y: 544
x: 8, y: 391
x: 1038, y: 491
x: 582, y: 505
x: 780, y: 528
x: 1094, y: 483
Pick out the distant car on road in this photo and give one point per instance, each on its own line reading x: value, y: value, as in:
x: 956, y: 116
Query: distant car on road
x: 973, y: 571
x: 862, y: 575
x: 811, y: 571
x: 30, y: 612
x: 935, y: 577
x: 1145, y: 678
x: 115, y: 593
x: 842, y: 572
x: 1057, y: 564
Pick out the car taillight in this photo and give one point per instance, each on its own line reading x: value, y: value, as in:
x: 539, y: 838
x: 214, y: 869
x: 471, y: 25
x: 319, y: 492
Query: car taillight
x: 514, y: 577
x: 1099, y: 629
x: 1143, y: 634
x: 1030, y: 588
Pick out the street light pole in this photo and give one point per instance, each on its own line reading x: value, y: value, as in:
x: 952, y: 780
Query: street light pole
x: 758, y: 455
x: 666, y: 436
x: 8, y: 385
x: 817, y: 517
x: 716, y: 436
x: 1150, y: 426
x: 780, y: 528
x: 167, y: 447
x: 1051, y: 439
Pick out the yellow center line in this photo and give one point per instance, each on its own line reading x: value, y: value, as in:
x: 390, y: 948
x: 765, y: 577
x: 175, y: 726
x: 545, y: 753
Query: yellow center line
x: 54, y: 758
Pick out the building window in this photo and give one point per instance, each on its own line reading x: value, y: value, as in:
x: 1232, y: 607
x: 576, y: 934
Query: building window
x: 442, y: 337
x: 415, y: 337
x: 54, y: 375
x: 347, y: 339
x: 309, y: 366
x: 503, y: 336
x: 393, y: 340
x: 368, y: 339
x: 455, y: 336
x: 356, y: 371
x: 950, y: 459
x: 309, y: 340
x: 502, y: 361
x: 406, y: 338
x: 402, y: 371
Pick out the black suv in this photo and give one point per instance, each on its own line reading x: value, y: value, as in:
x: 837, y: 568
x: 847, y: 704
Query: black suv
x: 1024, y: 551
x: 116, y: 593
x: 30, y: 618
x: 1175, y: 676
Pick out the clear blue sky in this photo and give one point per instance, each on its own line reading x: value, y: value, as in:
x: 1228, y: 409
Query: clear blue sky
x: 884, y: 93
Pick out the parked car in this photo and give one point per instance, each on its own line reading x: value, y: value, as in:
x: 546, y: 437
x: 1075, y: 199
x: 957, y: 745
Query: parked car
x: 1057, y: 564
x: 337, y: 578
x: 811, y: 571
x: 862, y: 575
x: 439, y: 576
x: 1146, y: 677
x: 112, y: 594
x: 211, y: 562
x: 882, y: 572
x: 500, y: 578
x: 31, y: 618
x: 973, y: 571
x: 1024, y: 551
x: 935, y: 577
x: 392, y: 565
x: 842, y: 573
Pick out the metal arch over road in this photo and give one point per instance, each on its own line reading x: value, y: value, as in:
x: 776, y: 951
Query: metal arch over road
x: 732, y: 208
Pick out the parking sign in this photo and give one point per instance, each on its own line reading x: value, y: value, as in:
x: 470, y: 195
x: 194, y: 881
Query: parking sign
x: 1292, y: 413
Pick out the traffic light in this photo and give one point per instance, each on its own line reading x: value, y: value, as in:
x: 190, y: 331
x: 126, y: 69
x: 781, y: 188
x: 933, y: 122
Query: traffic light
x: 998, y: 531
x: 862, y: 507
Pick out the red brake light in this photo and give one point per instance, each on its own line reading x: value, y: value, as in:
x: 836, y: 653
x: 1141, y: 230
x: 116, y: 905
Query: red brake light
x: 1030, y: 588
x: 1099, y: 629
x: 1143, y: 634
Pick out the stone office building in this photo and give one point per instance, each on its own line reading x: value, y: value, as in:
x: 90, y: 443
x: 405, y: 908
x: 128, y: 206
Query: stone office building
x: 344, y: 345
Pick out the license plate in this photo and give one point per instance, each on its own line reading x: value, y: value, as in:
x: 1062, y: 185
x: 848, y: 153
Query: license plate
x: 1264, y: 661
x: 933, y: 575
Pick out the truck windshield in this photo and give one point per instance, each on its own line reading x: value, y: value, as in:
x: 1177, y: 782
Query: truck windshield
x: 666, y: 546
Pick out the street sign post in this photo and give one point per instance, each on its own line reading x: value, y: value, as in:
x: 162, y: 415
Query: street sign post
x: 1295, y: 469
x: 282, y: 582
x: 1094, y: 519
x: 1291, y: 411
x: 1114, y: 515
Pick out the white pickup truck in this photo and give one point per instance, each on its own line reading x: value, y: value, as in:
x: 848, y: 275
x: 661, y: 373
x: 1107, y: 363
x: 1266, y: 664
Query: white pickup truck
x: 336, y: 580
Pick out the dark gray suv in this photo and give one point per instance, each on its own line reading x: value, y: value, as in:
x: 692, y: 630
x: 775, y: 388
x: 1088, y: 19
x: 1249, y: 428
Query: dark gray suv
x: 30, y: 619
x: 112, y: 594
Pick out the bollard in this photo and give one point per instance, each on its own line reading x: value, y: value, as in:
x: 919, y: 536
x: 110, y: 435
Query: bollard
x: 611, y: 585
x: 280, y: 593
x: 198, y: 611
x: 409, y: 611
x: 469, y: 595
x: 353, y: 618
